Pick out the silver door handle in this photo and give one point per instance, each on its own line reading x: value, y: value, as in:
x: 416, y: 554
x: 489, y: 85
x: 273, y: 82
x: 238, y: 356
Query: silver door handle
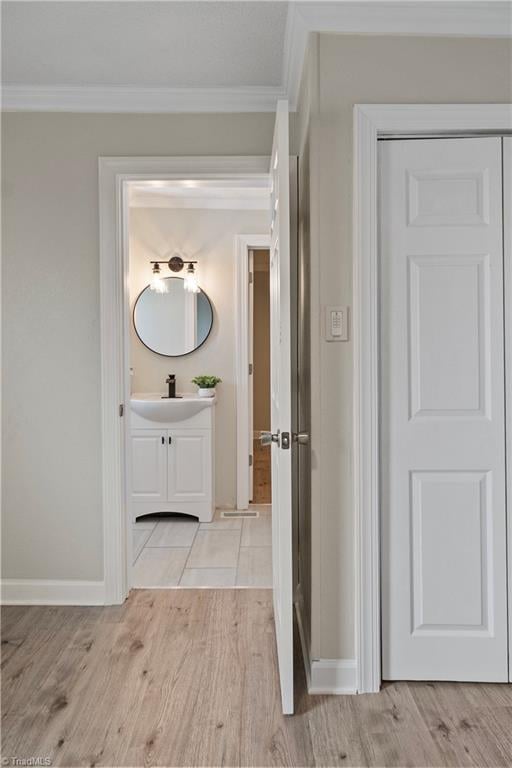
x: 267, y: 438
x: 302, y: 438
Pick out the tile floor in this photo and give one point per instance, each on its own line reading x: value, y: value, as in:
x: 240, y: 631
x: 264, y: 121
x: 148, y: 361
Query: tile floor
x: 180, y: 552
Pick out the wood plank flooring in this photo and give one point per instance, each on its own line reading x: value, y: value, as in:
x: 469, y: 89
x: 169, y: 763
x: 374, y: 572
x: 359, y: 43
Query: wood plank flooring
x: 188, y: 678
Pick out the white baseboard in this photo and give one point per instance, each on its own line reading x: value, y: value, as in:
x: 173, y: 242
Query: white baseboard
x: 51, y: 592
x: 334, y: 676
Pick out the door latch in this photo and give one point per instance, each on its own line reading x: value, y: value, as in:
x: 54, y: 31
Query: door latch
x: 267, y: 438
x: 285, y: 440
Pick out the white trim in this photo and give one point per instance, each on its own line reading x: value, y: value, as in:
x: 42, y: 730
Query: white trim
x: 241, y: 317
x: 371, y: 121
x: 52, y: 592
x: 410, y: 119
x: 507, y: 252
x: 365, y: 336
x: 112, y: 382
x: 120, y: 99
x: 440, y: 19
x: 114, y: 172
x: 334, y: 676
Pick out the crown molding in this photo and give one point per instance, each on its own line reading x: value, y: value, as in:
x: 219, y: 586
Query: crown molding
x: 463, y: 18
x: 426, y: 18
x: 294, y: 52
x: 117, y: 99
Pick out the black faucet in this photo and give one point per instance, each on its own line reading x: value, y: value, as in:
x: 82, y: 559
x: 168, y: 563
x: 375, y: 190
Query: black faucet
x: 171, y: 381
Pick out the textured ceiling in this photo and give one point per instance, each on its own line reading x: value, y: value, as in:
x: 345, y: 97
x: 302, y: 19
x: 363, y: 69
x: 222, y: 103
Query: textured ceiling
x: 161, y: 44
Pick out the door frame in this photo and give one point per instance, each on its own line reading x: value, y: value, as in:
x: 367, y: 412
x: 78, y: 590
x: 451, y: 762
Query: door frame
x: 371, y: 122
x: 243, y: 244
x: 113, y: 175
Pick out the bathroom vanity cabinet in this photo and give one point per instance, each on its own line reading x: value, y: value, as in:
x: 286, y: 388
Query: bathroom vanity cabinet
x: 172, y: 463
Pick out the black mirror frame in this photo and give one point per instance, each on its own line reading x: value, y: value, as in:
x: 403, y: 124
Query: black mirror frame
x: 184, y: 354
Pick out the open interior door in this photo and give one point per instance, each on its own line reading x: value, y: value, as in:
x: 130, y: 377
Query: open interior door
x: 281, y: 404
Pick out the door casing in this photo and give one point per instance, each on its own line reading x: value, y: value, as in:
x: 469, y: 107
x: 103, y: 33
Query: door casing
x: 243, y: 244
x: 115, y: 173
x: 372, y: 122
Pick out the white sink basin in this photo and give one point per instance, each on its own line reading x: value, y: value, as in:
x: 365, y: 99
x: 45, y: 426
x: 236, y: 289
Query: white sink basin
x: 155, y: 407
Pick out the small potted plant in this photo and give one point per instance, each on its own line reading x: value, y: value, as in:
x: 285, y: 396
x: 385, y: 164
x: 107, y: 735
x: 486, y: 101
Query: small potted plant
x: 206, y: 385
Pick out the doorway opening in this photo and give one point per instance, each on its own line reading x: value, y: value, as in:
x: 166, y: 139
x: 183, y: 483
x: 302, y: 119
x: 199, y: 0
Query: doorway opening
x: 187, y: 530
x: 253, y: 370
x: 261, y: 470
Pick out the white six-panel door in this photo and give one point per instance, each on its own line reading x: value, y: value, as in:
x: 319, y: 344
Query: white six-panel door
x: 444, y: 581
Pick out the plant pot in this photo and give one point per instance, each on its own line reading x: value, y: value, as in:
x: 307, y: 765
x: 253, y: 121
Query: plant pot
x: 206, y: 392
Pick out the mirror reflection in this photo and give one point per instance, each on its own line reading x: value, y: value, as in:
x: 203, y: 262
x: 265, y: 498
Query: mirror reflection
x: 174, y: 323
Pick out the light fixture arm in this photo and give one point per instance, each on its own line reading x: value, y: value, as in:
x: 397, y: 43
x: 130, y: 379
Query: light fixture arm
x: 175, y: 263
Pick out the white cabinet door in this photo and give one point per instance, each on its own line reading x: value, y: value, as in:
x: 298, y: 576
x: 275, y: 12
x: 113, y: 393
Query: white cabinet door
x: 149, y: 470
x: 189, y: 467
x: 444, y: 601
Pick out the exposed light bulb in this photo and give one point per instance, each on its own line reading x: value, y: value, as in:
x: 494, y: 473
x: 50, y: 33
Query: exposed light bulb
x: 157, y: 284
x: 190, y: 280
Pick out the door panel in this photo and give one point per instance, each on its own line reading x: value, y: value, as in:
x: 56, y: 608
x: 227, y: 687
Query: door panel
x: 449, y: 349
x: 444, y: 614
x: 189, y: 465
x: 448, y: 599
x: 507, y: 253
x: 149, y: 475
x: 281, y: 408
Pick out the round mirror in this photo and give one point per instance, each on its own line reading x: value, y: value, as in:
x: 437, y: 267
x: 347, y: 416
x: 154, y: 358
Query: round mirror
x: 173, y: 323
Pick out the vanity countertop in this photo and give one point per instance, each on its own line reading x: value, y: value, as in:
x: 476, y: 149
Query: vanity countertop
x: 158, y: 396
x: 155, y: 406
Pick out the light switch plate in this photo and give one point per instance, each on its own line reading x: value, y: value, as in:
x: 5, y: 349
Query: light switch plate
x: 336, y: 323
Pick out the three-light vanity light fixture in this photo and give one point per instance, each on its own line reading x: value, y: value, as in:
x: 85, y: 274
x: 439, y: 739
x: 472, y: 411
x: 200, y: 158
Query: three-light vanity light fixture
x: 175, y: 264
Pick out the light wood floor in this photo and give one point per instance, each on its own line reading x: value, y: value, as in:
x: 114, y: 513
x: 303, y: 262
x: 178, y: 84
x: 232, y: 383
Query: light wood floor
x: 188, y: 678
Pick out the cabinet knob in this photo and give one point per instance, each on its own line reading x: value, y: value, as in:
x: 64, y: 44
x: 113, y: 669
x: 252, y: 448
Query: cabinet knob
x: 163, y: 440
x: 170, y: 439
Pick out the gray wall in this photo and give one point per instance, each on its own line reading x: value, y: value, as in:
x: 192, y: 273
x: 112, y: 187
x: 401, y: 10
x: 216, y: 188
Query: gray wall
x: 52, y: 525
x: 361, y: 69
